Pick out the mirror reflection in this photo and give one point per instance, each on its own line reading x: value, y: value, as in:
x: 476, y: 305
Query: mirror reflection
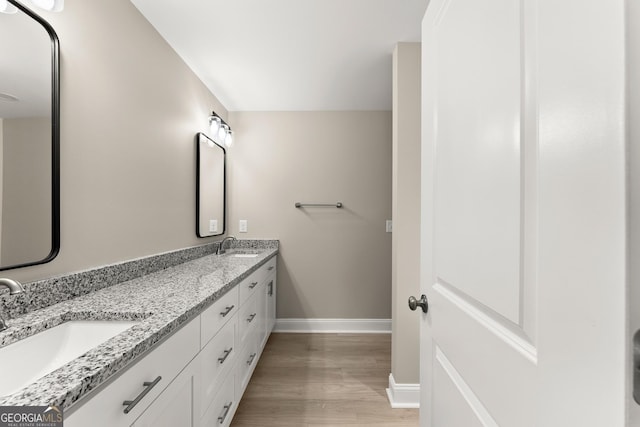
x: 210, y: 187
x: 29, y: 116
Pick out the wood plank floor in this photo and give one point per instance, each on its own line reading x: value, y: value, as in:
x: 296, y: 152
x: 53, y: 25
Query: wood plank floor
x: 310, y: 380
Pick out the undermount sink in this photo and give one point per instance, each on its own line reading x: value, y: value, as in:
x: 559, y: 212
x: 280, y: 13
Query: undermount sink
x: 245, y: 255
x: 29, y: 359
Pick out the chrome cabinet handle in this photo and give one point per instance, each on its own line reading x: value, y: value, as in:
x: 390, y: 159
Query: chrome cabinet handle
x: 227, y: 311
x: 250, y: 361
x: 226, y: 354
x: 253, y: 285
x: 270, y: 268
x: 422, y: 302
x: 225, y: 411
x: 270, y: 285
x: 250, y: 318
x: 130, y: 404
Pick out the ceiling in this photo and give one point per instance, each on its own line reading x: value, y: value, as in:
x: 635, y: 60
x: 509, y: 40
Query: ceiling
x: 290, y: 55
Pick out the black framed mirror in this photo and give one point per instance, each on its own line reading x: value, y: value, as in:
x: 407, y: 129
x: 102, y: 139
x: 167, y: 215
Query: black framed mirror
x: 211, y: 204
x: 29, y: 139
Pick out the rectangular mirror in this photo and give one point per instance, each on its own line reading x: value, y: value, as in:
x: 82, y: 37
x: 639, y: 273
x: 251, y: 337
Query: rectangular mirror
x: 29, y: 139
x: 210, y: 187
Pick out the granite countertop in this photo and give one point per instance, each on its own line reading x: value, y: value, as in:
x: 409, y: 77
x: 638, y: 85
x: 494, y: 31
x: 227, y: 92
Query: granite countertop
x: 162, y: 301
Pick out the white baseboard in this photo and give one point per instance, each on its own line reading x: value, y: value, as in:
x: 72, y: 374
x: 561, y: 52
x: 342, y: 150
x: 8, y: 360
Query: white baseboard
x: 403, y: 395
x: 359, y: 326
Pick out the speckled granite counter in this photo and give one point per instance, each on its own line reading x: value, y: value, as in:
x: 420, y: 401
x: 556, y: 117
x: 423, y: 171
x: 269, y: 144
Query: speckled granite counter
x: 163, y: 301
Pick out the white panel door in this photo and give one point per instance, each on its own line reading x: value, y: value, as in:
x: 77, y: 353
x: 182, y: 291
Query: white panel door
x: 523, y: 215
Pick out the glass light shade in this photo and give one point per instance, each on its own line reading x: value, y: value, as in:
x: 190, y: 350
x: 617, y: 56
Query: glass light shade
x: 50, y: 5
x: 214, y: 125
x: 222, y: 133
x: 228, y: 141
x: 6, y: 7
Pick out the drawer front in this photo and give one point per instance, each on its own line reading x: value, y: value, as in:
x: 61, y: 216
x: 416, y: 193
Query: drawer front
x: 270, y: 266
x: 247, y: 360
x: 224, y: 404
x: 249, y: 285
x: 214, y: 317
x: 248, y: 318
x: 105, y: 407
x: 216, y: 359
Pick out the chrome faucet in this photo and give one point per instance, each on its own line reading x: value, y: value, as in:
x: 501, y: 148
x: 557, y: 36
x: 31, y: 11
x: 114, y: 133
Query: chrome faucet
x: 221, y: 250
x: 14, y: 288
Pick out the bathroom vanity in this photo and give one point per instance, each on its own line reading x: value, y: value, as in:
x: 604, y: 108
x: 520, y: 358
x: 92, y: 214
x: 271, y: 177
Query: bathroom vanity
x: 200, y: 329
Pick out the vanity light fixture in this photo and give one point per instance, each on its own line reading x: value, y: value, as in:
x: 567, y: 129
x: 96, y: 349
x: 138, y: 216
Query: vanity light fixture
x: 228, y: 140
x: 6, y: 7
x: 48, y: 5
x: 220, y: 131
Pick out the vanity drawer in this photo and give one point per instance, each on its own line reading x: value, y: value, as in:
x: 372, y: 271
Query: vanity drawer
x: 248, y: 318
x: 104, y: 407
x: 224, y: 404
x: 247, y: 361
x: 249, y: 285
x: 214, y: 317
x: 216, y: 359
x: 270, y: 266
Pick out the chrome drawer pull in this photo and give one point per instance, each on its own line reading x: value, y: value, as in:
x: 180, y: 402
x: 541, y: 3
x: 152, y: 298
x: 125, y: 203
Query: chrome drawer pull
x: 270, y: 285
x: 130, y: 404
x: 253, y: 285
x: 225, y: 411
x: 250, y: 361
x: 270, y: 268
x: 226, y: 354
x: 250, y: 318
x: 227, y: 311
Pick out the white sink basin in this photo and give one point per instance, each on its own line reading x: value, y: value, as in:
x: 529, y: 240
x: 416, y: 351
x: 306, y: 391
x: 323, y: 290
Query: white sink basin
x: 30, y: 359
x: 245, y: 255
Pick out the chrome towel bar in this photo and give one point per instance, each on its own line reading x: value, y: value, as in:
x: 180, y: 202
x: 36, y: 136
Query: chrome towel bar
x: 329, y: 205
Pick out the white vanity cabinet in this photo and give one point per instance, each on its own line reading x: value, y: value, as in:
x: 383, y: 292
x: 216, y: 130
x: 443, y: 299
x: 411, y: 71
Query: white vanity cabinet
x: 203, y: 368
x: 178, y: 403
x: 144, y: 382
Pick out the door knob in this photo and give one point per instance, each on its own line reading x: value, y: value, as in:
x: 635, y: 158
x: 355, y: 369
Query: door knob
x: 422, y: 302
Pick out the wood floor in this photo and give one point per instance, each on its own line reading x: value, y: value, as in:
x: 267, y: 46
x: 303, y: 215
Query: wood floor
x: 310, y: 380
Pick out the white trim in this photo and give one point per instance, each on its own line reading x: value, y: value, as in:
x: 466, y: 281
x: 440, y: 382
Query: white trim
x: 403, y: 395
x: 518, y: 343
x: 359, y: 326
x: 465, y: 391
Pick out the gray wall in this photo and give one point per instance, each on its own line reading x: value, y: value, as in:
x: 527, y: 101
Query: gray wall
x: 130, y: 110
x: 334, y: 263
x: 405, y: 351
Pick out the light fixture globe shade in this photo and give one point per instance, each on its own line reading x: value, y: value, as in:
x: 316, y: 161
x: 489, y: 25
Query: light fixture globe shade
x: 228, y: 140
x: 6, y: 7
x: 222, y: 133
x: 214, y: 126
x: 50, y: 5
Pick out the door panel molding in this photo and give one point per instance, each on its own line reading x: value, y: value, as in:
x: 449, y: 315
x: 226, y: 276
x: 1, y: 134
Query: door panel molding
x: 468, y: 396
x: 478, y: 135
x: 510, y: 333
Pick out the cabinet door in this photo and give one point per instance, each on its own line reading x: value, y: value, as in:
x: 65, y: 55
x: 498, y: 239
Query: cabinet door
x: 178, y: 405
x: 270, y: 312
x: 261, y: 327
x: 104, y: 407
x: 224, y: 405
